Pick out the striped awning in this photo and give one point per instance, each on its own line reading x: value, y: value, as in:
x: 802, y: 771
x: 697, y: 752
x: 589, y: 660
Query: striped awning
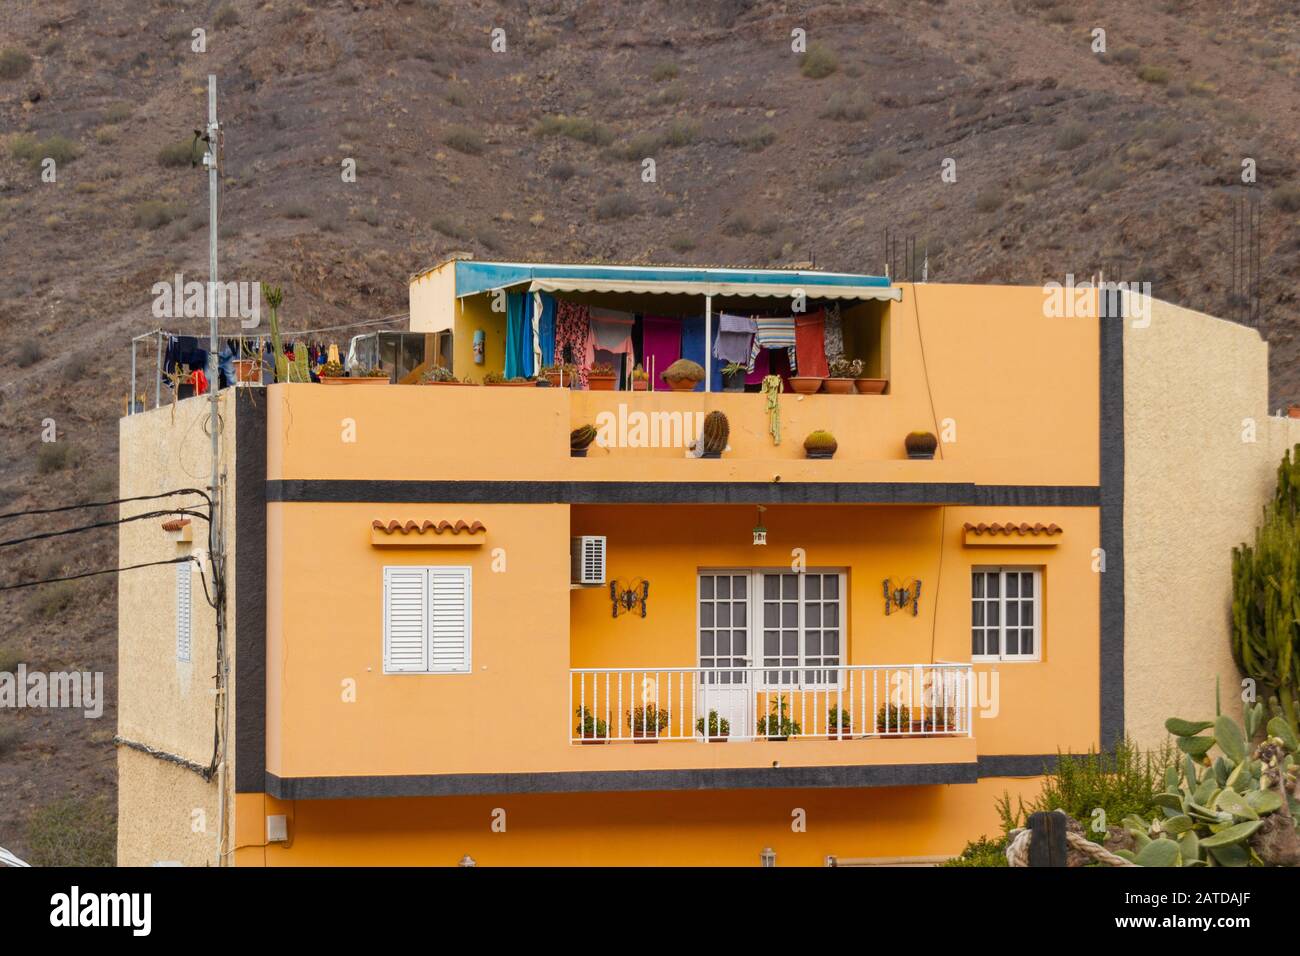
x: 775, y: 290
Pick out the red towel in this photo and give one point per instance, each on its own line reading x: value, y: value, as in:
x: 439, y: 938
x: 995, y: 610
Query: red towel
x: 810, y: 344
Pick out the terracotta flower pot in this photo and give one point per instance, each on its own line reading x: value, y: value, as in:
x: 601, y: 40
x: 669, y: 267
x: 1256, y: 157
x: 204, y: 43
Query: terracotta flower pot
x: 683, y: 384
x: 806, y: 384
x: 600, y: 383
x: 644, y: 737
x: 871, y: 386
x: 640, y: 384
x: 248, y: 370
x: 510, y: 384
x: 840, y: 386
x: 344, y: 380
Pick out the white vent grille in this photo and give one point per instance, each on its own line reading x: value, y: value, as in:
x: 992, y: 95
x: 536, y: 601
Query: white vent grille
x: 587, y: 559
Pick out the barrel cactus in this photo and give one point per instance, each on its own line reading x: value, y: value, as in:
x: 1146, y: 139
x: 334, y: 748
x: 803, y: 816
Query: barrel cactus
x: 1234, y: 808
x: 820, y: 444
x: 716, y: 432
x: 581, y: 437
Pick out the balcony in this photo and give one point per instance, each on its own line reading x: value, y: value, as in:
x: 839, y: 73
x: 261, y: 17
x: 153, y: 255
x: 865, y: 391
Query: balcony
x: 743, y: 704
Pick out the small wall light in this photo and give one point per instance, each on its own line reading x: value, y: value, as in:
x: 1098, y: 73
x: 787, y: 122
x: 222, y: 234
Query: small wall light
x: 768, y: 856
x: 760, y: 532
x: 467, y: 860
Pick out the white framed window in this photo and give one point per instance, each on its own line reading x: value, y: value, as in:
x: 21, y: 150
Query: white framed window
x: 793, y: 622
x: 1006, y: 614
x: 184, y: 612
x: 427, y: 620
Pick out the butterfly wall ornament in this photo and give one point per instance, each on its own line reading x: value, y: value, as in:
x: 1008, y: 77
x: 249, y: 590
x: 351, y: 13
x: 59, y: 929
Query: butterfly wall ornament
x: 899, y: 594
x: 627, y: 598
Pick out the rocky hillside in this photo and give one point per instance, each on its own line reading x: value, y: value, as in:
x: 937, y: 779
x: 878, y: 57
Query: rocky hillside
x: 1067, y: 161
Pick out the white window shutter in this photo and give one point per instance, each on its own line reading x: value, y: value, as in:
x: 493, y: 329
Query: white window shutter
x: 405, y: 620
x: 184, y: 620
x: 449, y: 629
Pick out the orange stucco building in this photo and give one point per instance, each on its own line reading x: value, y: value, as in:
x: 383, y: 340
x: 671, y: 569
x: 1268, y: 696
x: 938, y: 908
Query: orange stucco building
x: 422, y: 671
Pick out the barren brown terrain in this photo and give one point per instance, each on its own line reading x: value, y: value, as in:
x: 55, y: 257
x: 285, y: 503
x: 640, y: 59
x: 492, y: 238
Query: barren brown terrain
x: 1067, y: 161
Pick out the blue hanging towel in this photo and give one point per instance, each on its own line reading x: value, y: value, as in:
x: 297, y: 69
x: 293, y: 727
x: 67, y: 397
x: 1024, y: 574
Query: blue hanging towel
x: 694, y: 344
x: 546, y: 329
x: 526, y: 358
x: 515, y: 338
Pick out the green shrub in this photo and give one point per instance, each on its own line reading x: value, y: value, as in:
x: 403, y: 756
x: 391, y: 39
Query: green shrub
x: 53, y: 456
x: 28, y: 354
x: 1287, y: 198
x: 1154, y: 74
x: 463, y: 139
x: 9, y: 738
x: 13, y: 63
x: 575, y: 127
x: 664, y: 71
x: 51, y: 600
x: 990, y: 200
x: 227, y: 16
x: 73, y: 831
x: 186, y: 152
x: 28, y: 149
x: 982, y: 852
x: 1071, y: 136
x: 882, y: 164
x: 757, y: 140
x: 154, y: 213
x: 117, y: 113
x: 615, y: 206
x: 847, y: 108
x: 10, y: 658
x: 818, y: 63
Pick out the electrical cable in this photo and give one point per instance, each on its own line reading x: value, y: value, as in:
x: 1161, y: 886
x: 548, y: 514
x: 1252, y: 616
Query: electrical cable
x: 102, y: 524
x: 91, y: 574
x: 101, y: 504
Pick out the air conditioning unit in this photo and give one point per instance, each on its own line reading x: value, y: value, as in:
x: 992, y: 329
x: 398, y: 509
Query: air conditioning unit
x: 587, y: 559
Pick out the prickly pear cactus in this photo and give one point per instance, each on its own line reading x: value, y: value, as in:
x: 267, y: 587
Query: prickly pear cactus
x: 1236, y: 807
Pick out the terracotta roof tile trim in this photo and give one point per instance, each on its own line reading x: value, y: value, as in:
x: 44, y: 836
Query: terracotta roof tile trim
x: 175, y: 524
x: 392, y: 527
x: 1009, y: 528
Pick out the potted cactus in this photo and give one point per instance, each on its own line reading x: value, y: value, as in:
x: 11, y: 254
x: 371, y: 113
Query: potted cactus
x: 560, y: 374
x: 776, y: 725
x: 499, y: 379
x: 580, y: 440
x: 838, y: 724
x: 683, y: 375
x: 440, y: 375
x: 843, y: 374
x: 601, y: 378
x: 820, y: 444
x: 713, y: 439
x: 920, y: 445
x: 733, y: 377
x: 647, y: 722
x: 719, y: 728
x: 591, y: 729
x: 640, y: 379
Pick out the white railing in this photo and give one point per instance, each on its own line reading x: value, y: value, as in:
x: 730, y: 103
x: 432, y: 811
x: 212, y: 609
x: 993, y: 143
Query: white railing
x: 729, y: 704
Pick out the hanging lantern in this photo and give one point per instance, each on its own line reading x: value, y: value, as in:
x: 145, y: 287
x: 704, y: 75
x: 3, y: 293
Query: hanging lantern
x: 760, y: 532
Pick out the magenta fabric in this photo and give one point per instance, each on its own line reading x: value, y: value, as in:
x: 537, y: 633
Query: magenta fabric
x: 762, y: 367
x: 661, y: 346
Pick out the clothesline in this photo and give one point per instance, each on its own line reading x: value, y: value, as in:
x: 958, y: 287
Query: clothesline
x: 247, y: 334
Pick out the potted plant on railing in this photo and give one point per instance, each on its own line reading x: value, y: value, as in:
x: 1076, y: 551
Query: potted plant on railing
x: 868, y: 386
x: 580, y: 440
x: 838, y: 724
x: 647, y: 722
x: 894, y: 719
x: 248, y: 367
x: 843, y: 374
x: 439, y: 375
x: 683, y: 375
x: 713, y: 438
x: 590, y: 729
x: 332, y: 373
x: 719, y: 728
x: 560, y: 374
x: 807, y: 384
x: 820, y: 444
x: 601, y: 378
x: 920, y: 445
x: 733, y: 377
x: 499, y: 379
x: 776, y: 725
x: 640, y: 379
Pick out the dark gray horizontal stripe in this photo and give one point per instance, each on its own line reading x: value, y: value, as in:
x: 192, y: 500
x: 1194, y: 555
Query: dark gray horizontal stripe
x: 682, y: 492
x: 614, y: 781
x: 1016, y: 765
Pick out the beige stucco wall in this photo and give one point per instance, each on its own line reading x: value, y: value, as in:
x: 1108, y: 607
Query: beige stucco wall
x: 1195, y: 388
x: 164, y: 703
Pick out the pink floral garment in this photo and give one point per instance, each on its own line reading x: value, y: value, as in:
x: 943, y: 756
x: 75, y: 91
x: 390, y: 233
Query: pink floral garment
x: 572, y: 328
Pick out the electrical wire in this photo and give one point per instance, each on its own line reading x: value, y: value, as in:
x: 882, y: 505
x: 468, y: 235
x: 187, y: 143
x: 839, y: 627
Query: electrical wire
x: 102, y: 524
x: 101, y: 504
x: 91, y: 574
